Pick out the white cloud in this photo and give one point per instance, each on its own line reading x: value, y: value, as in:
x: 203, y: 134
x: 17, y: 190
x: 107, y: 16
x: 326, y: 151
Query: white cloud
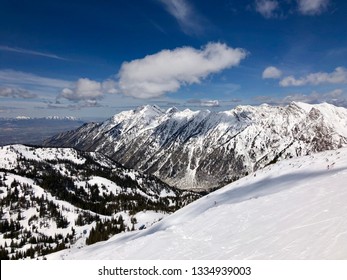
x: 89, y: 91
x: 110, y: 86
x: 271, y: 72
x: 291, y: 81
x: 312, y: 7
x: 339, y: 76
x: 15, y: 93
x: 266, y: 8
x: 168, y: 70
x: 188, y: 19
x: 84, y: 89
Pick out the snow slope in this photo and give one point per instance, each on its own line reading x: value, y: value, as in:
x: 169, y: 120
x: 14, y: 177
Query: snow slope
x: 294, y: 209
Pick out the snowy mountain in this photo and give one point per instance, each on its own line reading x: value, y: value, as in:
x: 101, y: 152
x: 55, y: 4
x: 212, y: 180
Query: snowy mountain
x: 68, y: 118
x: 60, y: 118
x: 22, y: 118
x: 54, y: 198
x: 203, y: 149
x: 294, y: 209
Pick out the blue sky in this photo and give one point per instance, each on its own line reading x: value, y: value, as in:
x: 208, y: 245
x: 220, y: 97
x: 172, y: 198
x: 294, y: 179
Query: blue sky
x: 92, y: 59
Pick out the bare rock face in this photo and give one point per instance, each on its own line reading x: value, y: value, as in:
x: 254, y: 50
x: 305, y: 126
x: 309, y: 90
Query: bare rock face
x: 205, y: 150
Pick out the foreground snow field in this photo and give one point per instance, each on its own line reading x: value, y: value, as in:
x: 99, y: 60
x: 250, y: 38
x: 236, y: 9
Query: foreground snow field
x: 295, y: 209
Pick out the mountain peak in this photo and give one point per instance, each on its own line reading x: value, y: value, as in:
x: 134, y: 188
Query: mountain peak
x: 149, y: 109
x: 202, y: 150
x: 172, y: 110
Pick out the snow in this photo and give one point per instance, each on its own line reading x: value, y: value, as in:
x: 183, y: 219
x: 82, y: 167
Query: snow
x: 69, y: 118
x: 337, y: 116
x: 103, y: 184
x: 10, y: 154
x: 146, y: 218
x: 48, y: 227
x: 45, y: 226
x: 295, y: 209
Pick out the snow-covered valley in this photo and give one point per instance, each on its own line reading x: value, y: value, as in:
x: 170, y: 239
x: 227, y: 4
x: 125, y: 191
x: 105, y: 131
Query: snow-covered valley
x: 294, y: 209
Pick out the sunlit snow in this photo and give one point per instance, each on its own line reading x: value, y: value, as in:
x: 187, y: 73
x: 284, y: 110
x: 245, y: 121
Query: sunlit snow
x: 295, y: 209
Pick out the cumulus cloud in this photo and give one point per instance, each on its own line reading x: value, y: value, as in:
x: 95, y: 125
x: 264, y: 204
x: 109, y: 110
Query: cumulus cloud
x: 84, y: 89
x: 312, y: 7
x: 88, y: 91
x: 271, y: 72
x: 339, y: 76
x: 16, y: 93
x: 188, y: 19
x: 266, y: 8
x: 168, y: 70
x: 157, y: 74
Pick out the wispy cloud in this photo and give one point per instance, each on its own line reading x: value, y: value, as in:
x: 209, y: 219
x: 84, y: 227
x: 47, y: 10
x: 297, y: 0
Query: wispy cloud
x: 72, y: 107
x: 281, y: 9
x: 312, y: 7
x: 24, y: 85
x: 190, y: 21
x: 30, y: 52
x: 157, y: 26
x: 29, y: 80
x: 338, y: 76
x: 266, y: 8
x: 204, y: 102
x: 337, y: 97
x: 16, y: 93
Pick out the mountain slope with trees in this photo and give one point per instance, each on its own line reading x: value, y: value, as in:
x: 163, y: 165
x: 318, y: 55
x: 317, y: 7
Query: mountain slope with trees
x: 54, y: 198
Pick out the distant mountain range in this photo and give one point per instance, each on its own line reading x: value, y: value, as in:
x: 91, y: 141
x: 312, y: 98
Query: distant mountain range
x: 70, y: 118
x: 206, y: 150
x: 55, y: 198
x: 26, y: 130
